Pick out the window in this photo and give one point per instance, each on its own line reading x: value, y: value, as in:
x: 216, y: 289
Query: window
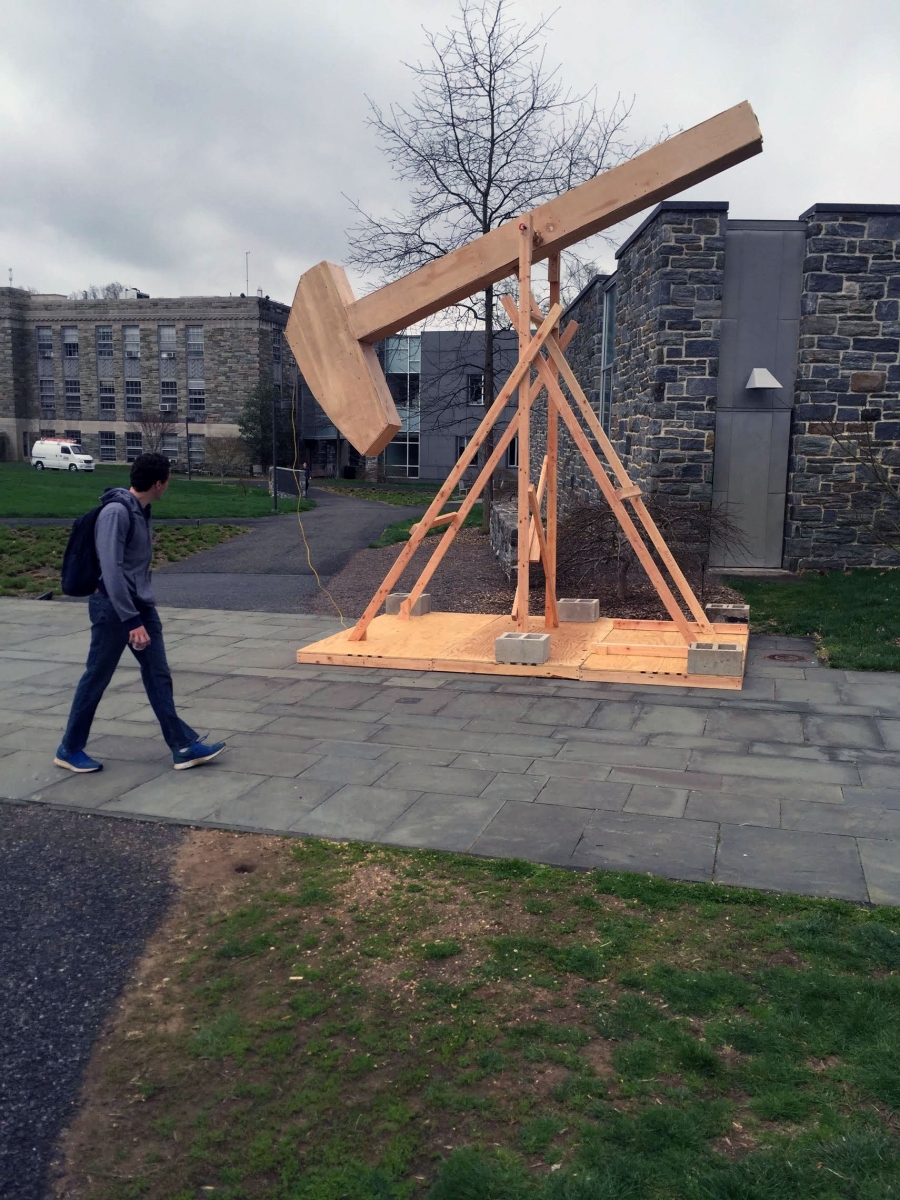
x: 401, y: 456
x: 65, y: 450
x: 475, y: 387
x: 402, y: 365
x: 45, y: 433
x: 104, y: 341
x: 608, y: 357
x: 44, y: 341
x: 133, y: 445
x: 48, y: 397
x: 107, y: 446
x: 196, y: 449
x: 168, y: 395
x: 167, y: 341
x: 107, y: 399
x: 512, y: 453
x: 462, y: 440
x: 276, y: 345
x: 132, y: 396
x: 169, y: 446
x: 196, y: 399
x: 193, y: 337
x: 70, y: 341
x: 74, y: 435
x: 131, y: 339
x: 73, y: 398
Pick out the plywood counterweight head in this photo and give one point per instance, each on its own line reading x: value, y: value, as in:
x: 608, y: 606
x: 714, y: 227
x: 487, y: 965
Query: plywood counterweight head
x: 343, y: 373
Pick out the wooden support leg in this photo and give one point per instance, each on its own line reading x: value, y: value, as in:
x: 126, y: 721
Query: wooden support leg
x: 551, y: 618
x: 518, y: 373
x: 552, y: 458
x: 526, y: 245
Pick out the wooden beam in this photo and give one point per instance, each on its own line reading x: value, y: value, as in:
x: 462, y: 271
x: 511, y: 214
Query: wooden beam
x: 551, y: 616
x: 358, y: 633
x: 439, y: 520
x: 523, y: 467
x: 666, y: 169
x: 552, y: 448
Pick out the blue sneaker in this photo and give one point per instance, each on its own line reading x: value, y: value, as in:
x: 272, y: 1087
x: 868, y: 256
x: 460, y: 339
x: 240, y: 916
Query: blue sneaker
x: 76, y: 761
x: 199, y: 752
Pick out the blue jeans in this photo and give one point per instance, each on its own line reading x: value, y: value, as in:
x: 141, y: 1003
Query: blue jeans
x: 108, y: 639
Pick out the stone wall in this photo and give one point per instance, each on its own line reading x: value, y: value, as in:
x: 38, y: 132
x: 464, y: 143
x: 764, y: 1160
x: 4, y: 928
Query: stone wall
x: 848, y: 382
x: 668, y: 308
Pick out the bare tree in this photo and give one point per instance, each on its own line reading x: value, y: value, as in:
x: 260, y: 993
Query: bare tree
x: 225, y: 456
x: 153, y: 427
x: 109, y: 291
x: 491, y: 134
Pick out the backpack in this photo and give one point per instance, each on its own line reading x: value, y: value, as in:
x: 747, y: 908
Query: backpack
x: 80, y: 565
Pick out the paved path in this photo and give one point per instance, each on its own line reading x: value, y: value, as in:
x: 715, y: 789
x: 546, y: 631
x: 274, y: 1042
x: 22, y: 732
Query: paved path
x: 790, y: 784
x: 266, y: 570
x: 78, y: 899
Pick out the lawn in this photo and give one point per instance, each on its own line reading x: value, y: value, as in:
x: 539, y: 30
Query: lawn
x: 320, y: 1021
x: 854, y: 615
x: 25, y: 492
x: 391, y: 492
x: 399, y: 531
x: 31, y: 558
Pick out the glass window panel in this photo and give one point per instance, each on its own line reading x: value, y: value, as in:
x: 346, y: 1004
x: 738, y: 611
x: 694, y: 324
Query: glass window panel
x: 131, y: 337
x: 104, y: 341
x: 193, y: 336
x: 475, y: 387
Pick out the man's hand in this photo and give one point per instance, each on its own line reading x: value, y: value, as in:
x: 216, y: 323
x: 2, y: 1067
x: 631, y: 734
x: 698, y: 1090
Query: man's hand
x: 139, y: 639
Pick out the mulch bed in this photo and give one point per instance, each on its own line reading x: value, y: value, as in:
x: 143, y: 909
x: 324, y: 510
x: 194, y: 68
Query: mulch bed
x: 470, y: 579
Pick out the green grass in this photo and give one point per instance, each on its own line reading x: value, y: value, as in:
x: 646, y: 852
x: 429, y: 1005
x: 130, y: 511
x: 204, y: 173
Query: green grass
x: 25, y: 492
x: 31, y: 557
x: 399, y: 531
x: 361, y: 1022
x: 391, y: 492
x: 854, y: 615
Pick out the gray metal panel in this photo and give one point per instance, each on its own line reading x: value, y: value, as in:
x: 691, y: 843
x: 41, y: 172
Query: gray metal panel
x: 760, y: 328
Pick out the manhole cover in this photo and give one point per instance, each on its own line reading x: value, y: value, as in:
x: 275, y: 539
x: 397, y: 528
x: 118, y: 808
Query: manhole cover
x: 789, y: 658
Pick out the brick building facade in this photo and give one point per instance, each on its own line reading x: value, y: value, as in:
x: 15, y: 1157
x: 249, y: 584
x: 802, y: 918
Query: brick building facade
x: 697, y: 304
x: 89, y: 369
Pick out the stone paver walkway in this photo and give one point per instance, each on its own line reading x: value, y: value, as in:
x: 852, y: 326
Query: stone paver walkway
x: 791, y: 784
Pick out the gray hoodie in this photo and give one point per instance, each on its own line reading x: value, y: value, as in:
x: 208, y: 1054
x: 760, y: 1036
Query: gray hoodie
x: 123, y: 536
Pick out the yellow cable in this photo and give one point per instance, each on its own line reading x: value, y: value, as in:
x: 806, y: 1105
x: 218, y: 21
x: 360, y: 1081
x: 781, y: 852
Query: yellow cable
x: 299, y: 521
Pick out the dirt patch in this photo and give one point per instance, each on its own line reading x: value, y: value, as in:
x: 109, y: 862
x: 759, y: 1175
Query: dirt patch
x: 470, y: 579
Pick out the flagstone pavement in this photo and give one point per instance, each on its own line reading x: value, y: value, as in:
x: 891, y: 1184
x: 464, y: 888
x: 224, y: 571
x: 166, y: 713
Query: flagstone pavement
x: 791, y: 784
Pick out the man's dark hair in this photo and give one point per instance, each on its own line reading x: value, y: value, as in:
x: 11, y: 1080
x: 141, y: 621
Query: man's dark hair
x: 148, y: 469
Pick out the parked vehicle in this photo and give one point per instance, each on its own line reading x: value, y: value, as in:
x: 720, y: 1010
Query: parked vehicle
x: 60, y: 454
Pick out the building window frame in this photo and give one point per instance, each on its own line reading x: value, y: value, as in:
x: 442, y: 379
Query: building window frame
x: 134, y: 446
x: 72, y: 397
x: 44, y: 339
x: 107, y: 448
x: 104, y: 336
x: 70, y: 341
x: 134, y: 401
x: 512, y: 454
x: 106, y: 399
x: 462, y: 440
x: 168, y: 395
x: 401, y: 455
x: 131, y: 341
x: 475, y: 389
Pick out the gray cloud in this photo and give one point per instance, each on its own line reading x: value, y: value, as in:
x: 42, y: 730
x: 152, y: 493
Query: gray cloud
x: 155, y: 141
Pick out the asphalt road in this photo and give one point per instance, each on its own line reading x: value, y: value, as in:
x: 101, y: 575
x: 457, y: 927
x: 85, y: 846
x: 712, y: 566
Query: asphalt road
x: 79, y: 896
x: 266, y: 570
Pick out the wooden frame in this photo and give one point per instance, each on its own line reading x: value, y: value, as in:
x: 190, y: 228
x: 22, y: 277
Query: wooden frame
x: 330, y: 334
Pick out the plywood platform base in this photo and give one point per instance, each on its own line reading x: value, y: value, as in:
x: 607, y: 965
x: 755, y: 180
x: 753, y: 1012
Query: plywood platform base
x: 607, y: 651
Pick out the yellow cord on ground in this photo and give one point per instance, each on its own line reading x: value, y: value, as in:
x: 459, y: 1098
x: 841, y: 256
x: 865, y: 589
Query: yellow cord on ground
x: 299, y: 521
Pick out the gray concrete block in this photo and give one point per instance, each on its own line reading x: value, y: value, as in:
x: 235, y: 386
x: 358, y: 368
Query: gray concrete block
x: 728, y: 612
x: 526, y: 648
x: 419, y: 609
x: 578, y: 610
x: 785, y: 860
x: 714, y: 658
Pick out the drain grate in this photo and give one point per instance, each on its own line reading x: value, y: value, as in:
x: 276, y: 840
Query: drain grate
x: 788, y: 657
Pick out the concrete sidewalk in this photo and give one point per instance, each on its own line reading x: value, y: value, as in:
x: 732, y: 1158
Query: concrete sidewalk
x: 791, y: 784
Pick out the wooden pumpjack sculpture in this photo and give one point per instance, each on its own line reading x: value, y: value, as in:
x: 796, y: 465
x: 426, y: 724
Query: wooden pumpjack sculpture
x: 331, y: 335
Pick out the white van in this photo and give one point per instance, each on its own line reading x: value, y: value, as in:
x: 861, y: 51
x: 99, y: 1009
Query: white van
x: 60, y: 454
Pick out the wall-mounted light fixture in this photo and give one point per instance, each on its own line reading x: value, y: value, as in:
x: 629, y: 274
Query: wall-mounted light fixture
x: 761, y: 378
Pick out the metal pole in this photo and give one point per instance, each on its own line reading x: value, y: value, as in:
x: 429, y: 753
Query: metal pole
x: 274, y: 460
x: 187, y: 443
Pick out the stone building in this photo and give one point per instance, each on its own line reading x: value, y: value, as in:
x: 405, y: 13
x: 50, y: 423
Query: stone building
x: 93, y: 370
x: 737, y: 363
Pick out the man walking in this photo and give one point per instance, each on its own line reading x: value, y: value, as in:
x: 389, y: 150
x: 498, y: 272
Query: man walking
x: 123, y: 613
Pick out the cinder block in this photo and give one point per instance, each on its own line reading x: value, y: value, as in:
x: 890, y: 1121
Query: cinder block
x: 729, y: 612
x: 578, y: 610
x: 714, y: 658
x: 419, y: 609
x: 529, y: 648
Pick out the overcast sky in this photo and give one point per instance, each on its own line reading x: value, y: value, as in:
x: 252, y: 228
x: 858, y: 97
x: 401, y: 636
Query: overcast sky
x: 154, y: 141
